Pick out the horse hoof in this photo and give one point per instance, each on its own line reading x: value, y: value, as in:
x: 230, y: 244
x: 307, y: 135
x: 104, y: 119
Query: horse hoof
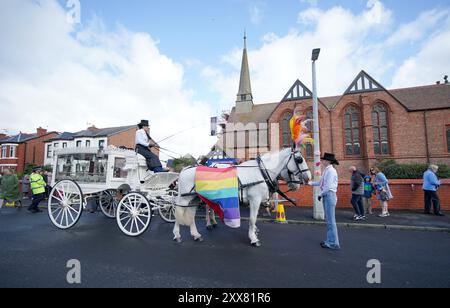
x: 256, y: 244
x: 209, y: 227
x: 177, y: 239
x: 198, y: 239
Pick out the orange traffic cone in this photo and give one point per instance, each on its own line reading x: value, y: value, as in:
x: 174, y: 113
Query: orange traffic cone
x: 281, y: 216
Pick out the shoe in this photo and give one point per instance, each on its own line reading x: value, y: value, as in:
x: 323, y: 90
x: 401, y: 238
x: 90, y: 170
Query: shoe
x: 325, y: 246
x: 440, y: 214
x: 362, y: 217
x: 384, y: 215
x: 355, y: 217
x: 427, y: 213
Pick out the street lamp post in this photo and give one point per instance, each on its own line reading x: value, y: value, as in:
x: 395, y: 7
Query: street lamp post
x: 318, y: 212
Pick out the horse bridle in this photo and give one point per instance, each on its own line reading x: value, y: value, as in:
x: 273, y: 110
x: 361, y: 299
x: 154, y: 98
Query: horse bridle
x: 298, y: 161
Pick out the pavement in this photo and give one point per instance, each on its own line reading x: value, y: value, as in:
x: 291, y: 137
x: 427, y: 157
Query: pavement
x: 398, y: 220
x: 35, y: 254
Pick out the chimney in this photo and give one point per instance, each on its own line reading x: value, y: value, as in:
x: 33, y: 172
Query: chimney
x: 41, y: 131
x: 446, y: 79
x: 93, y: 128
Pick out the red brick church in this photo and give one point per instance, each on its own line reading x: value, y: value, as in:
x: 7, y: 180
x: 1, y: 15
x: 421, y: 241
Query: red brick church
x: 364, y: 124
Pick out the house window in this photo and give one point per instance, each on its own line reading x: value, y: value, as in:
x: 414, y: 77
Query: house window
x: 64, y: 145
x: 286, y: 129
x: 380, y: 130
x: 352, y: 128
x: 448, y: 138
x: 4, y: 151
x: 309, y: 149
x: 78, y: 144
x: 49, y: 151
x: 101, y: 144
x: 12, y: 151
x: 88, y: 143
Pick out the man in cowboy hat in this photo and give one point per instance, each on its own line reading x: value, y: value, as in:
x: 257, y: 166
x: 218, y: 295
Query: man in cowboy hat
x: 328, y: 185
x: 143, y: 145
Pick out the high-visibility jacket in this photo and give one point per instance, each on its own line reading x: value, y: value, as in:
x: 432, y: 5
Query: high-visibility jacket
x: 37, y: 184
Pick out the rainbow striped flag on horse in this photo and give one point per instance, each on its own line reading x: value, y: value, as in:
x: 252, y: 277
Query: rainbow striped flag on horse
x: 218, y: 187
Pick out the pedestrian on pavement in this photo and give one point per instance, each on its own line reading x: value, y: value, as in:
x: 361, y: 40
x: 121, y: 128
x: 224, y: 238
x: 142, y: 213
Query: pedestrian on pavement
x: 369, y: 191
x: 38, y: 189
x: 328, y: 187
x: 383, y: 191
x: 357, y: 187
x: 9, y: 189
x: 26, y: 186
x: 430, y: 187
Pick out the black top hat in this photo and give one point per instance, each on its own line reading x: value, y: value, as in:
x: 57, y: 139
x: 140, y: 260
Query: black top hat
x: 144, y: 123
x: 330, y: 157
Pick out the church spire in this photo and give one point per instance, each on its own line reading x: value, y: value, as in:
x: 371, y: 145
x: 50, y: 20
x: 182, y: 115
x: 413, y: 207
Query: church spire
x: 244, y: 102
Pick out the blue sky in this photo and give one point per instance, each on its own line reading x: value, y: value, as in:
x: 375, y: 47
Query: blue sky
x: 177, y: 62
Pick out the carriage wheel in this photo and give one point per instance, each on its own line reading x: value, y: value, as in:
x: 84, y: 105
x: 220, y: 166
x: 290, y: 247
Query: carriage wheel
x: 108, y: 203
x: 134, y: 214
x: 167, y: 207
x: 65, y: 204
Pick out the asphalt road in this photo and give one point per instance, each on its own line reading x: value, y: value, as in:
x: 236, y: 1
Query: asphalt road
x: 34, y: 254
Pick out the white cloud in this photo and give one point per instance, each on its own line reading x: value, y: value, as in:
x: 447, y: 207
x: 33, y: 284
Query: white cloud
x: 256, y: 14
x: 62, y: 79
x: 429, y: 65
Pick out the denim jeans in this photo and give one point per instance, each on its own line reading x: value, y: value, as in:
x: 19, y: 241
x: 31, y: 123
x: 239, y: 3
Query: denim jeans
x: 157, y: 169
x: 358, y: 204
x: 329, y: 205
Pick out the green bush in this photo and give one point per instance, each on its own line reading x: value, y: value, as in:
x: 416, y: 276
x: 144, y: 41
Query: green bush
x: 392, y: 170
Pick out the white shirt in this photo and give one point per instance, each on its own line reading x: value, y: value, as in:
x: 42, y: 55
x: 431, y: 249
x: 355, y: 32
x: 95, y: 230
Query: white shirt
x: 329, y: 181
x: 142, y: 138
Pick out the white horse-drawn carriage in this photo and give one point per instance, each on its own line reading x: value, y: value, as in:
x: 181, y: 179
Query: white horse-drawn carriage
x: 114, y: 178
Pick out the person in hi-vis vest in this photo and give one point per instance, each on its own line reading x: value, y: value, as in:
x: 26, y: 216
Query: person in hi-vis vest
x: 37, y: 184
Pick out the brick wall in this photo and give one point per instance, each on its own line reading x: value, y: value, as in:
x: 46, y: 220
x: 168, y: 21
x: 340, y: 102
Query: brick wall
x: 127, y: 139
x: 35, y: 150
x: 408, y: 195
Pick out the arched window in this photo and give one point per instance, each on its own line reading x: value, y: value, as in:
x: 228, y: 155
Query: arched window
x: 286, y: 129
x: 352, y: 127
x: 309, y: 147
x: 380, y: 130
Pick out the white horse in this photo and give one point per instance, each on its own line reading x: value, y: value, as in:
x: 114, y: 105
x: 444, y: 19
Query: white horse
x: 256, y: 177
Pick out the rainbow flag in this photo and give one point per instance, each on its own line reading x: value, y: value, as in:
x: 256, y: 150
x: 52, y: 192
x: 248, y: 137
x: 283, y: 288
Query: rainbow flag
x: 218, y: 187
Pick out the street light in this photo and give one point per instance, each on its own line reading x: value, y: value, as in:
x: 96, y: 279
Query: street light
x: 318, y: 212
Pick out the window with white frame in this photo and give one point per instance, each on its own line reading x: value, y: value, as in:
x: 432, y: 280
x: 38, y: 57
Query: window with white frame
x: 88, y: 143
x: 4, y: 151
x: 12, y: 151
x: 49, y: 151
x: 64, y: 145
x: 78, y: 144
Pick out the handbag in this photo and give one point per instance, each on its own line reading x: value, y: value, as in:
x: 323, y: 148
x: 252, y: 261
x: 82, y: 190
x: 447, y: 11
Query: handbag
x: 384, y: 195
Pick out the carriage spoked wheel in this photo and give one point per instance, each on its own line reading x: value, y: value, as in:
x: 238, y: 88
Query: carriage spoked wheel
x: 167, y: 206
x: 65, y: 204
x: 134, y: 214
x: 108, y: 203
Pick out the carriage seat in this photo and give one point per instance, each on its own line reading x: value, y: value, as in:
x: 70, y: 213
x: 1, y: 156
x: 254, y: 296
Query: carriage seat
x: 135, y: 161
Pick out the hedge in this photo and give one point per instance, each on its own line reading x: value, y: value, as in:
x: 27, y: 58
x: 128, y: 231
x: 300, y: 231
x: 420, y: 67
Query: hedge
x: 392, y: 170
